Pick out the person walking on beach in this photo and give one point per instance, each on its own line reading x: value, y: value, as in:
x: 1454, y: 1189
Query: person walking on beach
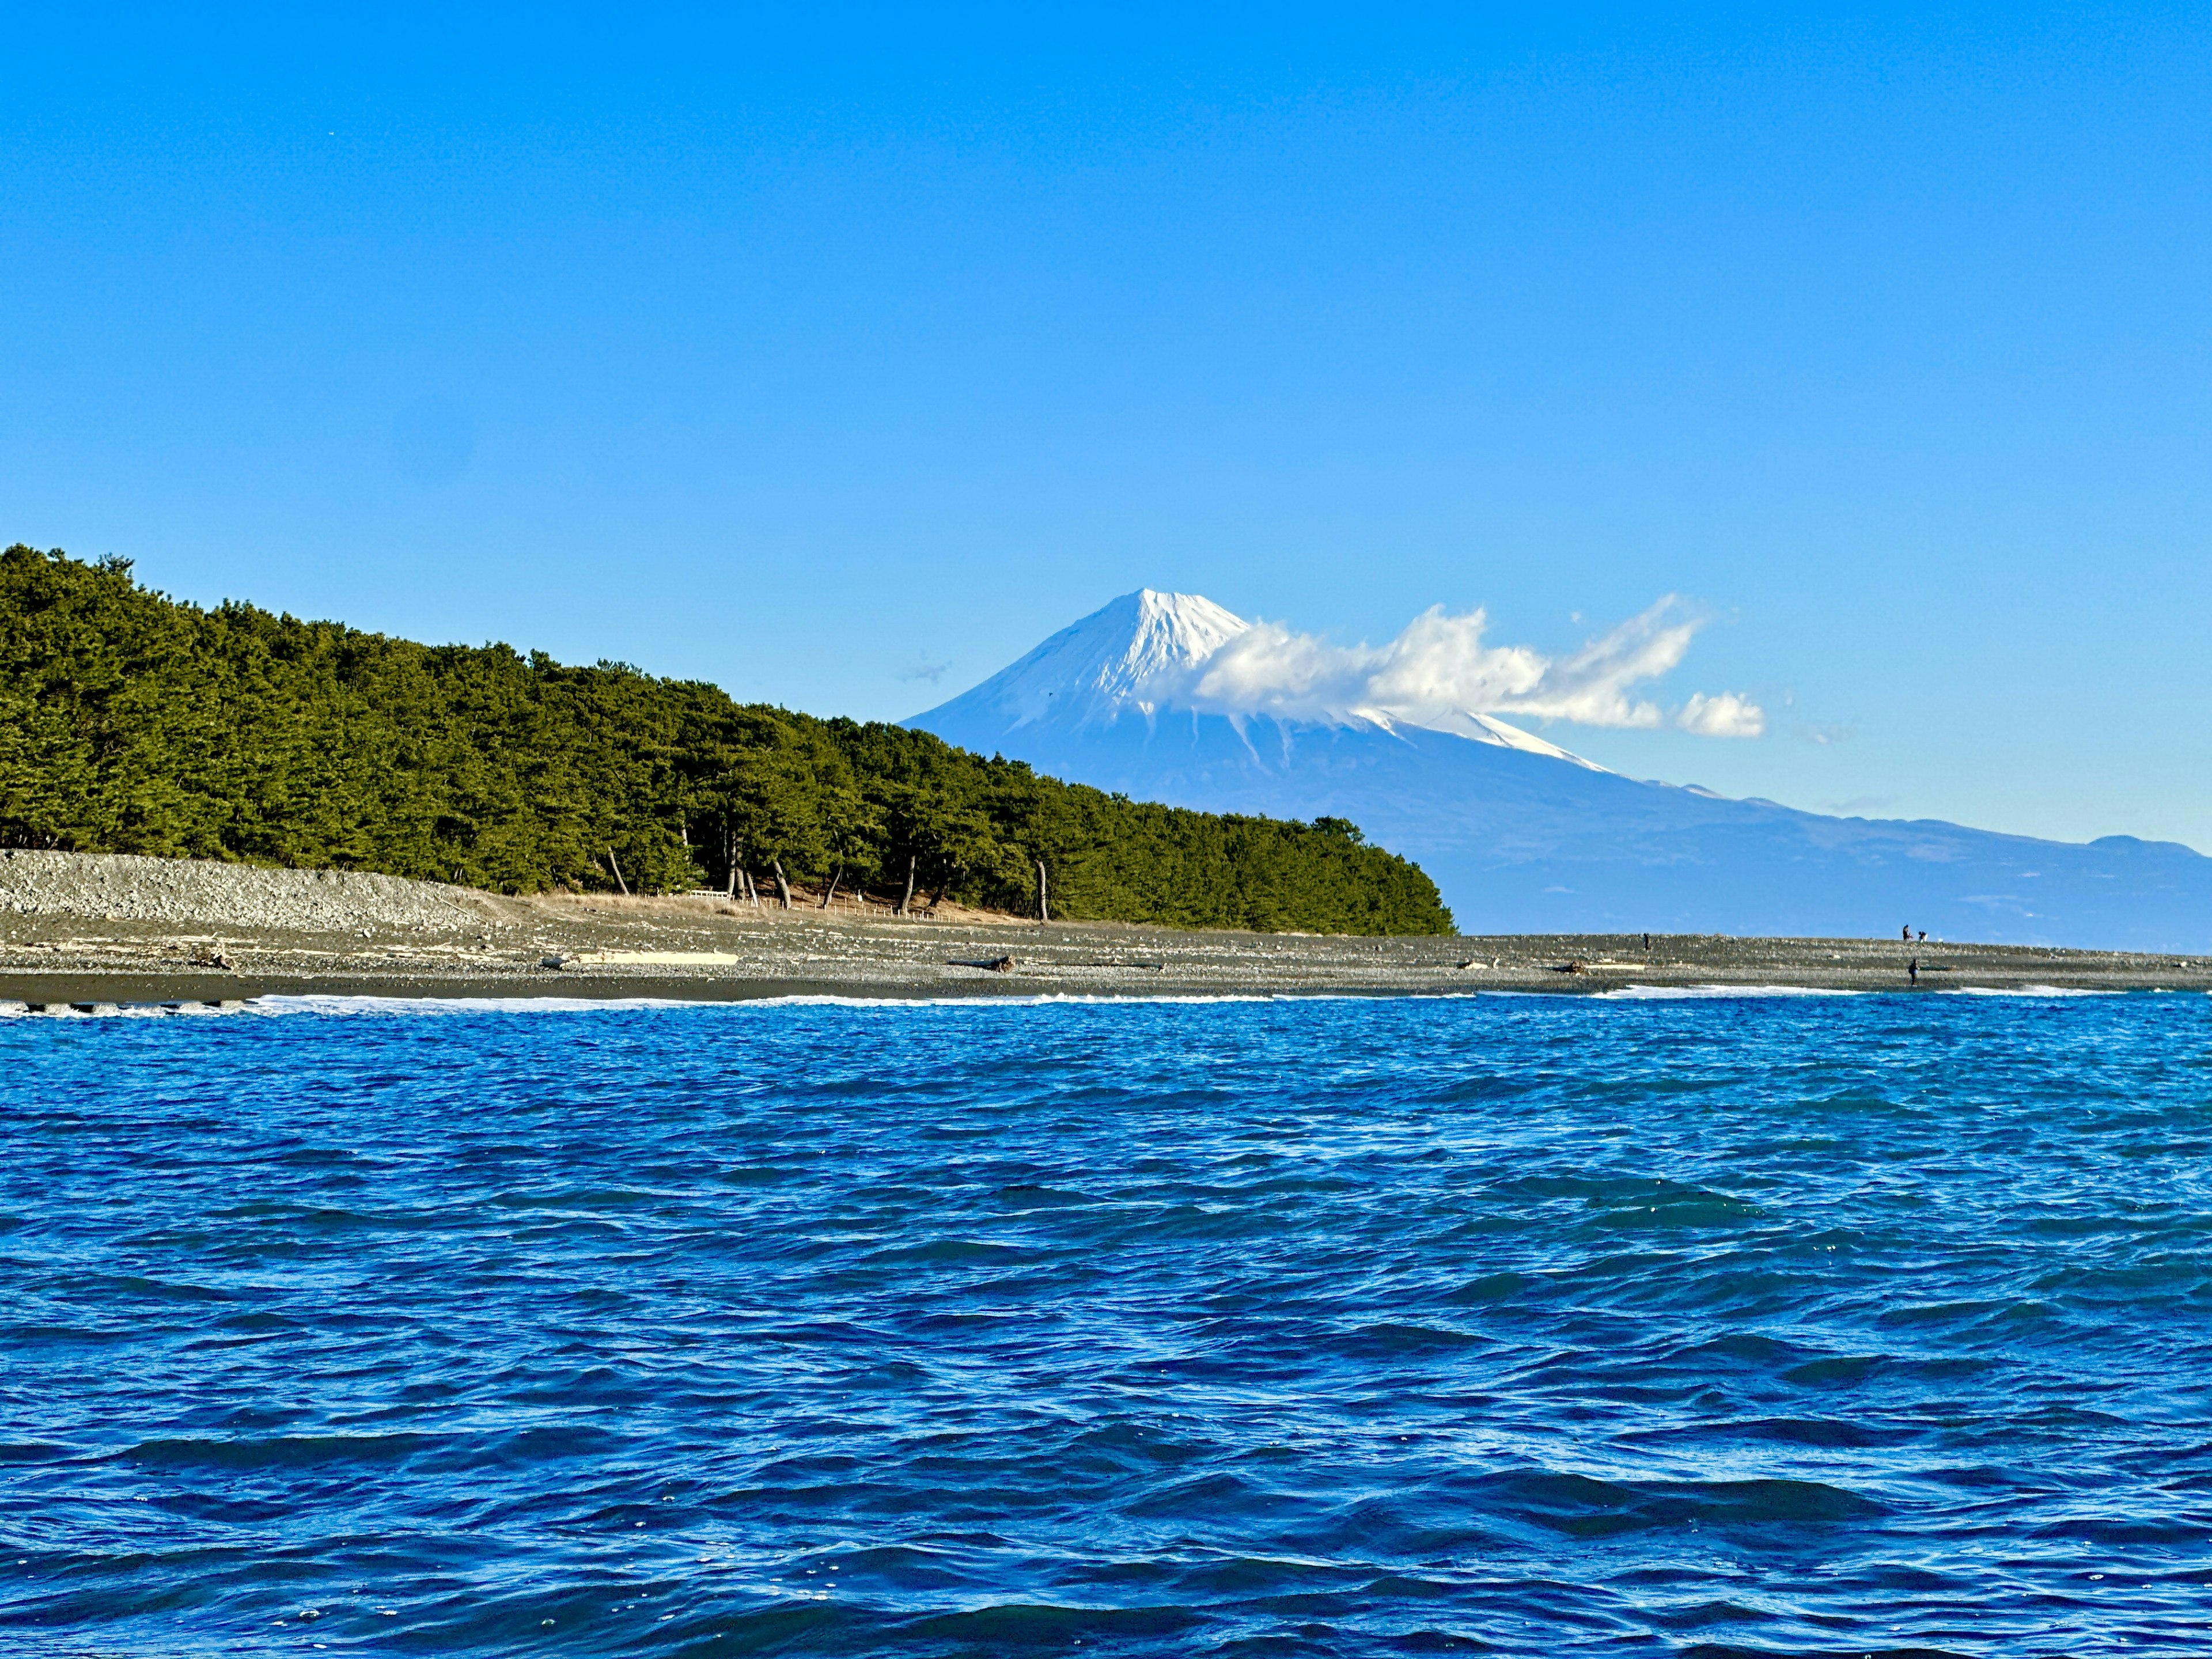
x: 1905, y: 933
x: 1912, y: 970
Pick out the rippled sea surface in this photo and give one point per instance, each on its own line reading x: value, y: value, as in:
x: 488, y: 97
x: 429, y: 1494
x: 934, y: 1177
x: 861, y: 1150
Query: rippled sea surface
x: 1528, y: 1325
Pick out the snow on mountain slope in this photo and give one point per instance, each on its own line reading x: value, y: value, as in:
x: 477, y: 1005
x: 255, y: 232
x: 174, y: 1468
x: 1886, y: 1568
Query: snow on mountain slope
x: 1522, y: 837
x: 1121, y: 659
x: 1141, y: 656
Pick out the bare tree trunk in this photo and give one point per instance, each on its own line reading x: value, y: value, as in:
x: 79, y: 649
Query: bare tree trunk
x: 906, y: 902
x: 1044, y: 909
x: 729, y: 852
x: 751, y: 892
x: 832, y: 893
x: 782, y: 887
x: 619, y: 882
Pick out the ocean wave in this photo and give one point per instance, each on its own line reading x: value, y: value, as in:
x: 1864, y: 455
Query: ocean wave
x: 2036, y: 991
x: 1706, y: 993
x: 86, y: 1008
x: 1178, y: 1329
x: 355, y: 1004
x: 315, y: 1003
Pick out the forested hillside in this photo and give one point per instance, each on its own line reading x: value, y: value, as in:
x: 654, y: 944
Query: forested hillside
x: 129, y: 723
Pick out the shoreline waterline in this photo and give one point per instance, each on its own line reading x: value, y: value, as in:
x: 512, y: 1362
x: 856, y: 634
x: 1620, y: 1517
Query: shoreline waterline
x: 146, y: 931
x: 553, y: 1001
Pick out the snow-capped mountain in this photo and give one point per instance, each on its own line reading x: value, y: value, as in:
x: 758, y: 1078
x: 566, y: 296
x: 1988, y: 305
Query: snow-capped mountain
x: 1144, y: 655
x: 1122, y: 659
x: 1522, y: 835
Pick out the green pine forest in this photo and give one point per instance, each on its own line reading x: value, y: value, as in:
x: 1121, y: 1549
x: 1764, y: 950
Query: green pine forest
x: 130, y: 723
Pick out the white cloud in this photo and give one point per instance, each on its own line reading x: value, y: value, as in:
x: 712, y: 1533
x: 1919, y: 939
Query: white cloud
x: 1726, y: 715
x: 1439, y: 667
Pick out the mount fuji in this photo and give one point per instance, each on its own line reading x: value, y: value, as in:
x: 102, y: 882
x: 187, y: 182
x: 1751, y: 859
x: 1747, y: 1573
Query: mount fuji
x: 1522, y: 835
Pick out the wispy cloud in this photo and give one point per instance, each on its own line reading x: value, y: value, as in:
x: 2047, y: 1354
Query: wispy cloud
x: 924, y: 670
x: 1824, y: 734
x: 1723, y: 715
x: 1440, y: 667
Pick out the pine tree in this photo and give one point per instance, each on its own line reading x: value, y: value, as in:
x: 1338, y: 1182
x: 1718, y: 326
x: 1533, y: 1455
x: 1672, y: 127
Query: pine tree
x: 130, y: 723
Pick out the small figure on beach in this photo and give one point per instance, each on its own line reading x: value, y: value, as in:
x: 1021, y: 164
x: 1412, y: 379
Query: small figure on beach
x: 1912, y: 970
x: 1924, y: 936
x: 1647, y: 941
x: 1905, y: 933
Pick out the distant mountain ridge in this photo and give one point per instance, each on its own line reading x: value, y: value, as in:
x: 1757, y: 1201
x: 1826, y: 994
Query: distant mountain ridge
x: 1522, y: 835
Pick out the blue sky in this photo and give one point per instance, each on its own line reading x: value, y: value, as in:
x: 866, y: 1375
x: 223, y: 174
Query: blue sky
x: 819, y: 356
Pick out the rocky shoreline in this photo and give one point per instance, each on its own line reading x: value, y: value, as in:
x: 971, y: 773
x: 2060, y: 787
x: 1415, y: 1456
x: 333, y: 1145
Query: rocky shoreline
x: 95, y: 931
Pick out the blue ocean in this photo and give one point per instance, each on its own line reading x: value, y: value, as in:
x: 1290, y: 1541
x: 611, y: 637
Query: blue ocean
x: 1517, y: 1325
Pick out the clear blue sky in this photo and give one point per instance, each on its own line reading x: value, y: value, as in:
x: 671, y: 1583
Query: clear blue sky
x: 803, y: 356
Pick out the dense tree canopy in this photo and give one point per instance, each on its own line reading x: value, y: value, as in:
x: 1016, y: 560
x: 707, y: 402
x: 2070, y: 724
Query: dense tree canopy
x: 130, y: 723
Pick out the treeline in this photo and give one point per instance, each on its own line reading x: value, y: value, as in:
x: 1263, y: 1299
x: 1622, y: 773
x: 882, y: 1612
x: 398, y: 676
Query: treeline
x: 129, y: 723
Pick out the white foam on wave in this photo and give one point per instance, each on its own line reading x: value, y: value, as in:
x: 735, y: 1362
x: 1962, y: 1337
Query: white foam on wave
x: 332, y: 1005
x: 312, y: 1004
x: 1711, y: 992
x: 2036, y: 991
x: 111, y: 1010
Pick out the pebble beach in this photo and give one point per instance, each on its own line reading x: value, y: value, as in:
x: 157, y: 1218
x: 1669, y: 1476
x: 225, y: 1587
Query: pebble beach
x: 101, y: 930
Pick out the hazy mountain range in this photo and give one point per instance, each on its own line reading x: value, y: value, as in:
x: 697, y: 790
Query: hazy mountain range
x: 1522, y: 835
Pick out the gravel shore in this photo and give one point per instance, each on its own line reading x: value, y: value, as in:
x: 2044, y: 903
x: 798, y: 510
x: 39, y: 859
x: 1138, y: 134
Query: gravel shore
x: 98, y: 930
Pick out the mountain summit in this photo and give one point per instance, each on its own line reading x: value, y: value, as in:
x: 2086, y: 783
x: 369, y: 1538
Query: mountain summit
x: 1125, y: 657
x: 1145, y: 655
x: 1523, y: 837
